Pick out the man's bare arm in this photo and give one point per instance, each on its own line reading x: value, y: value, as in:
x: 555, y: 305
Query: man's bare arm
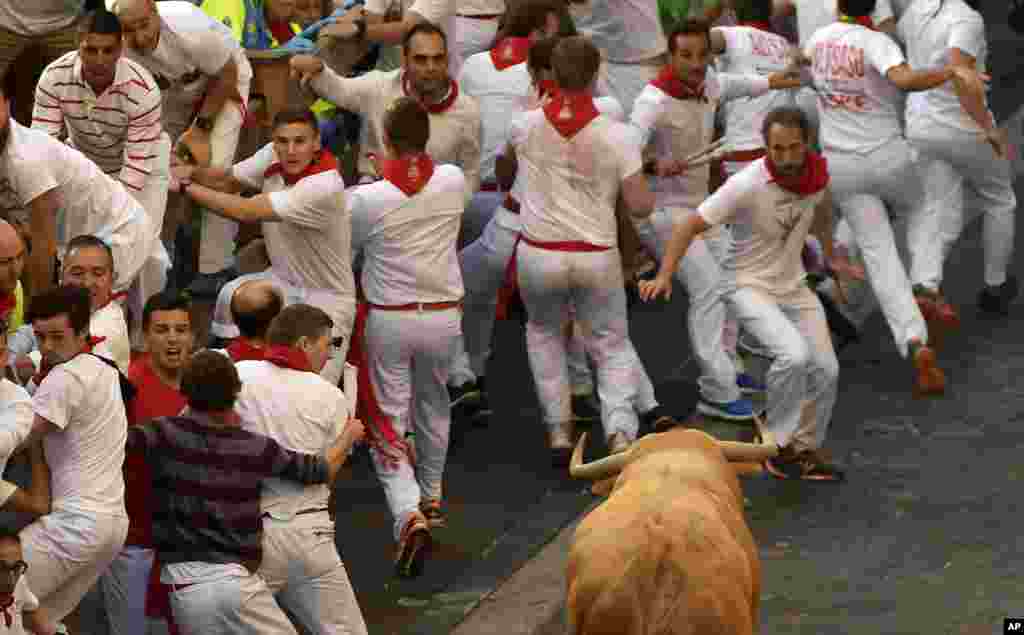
x: 221, y: 88
x: 43, y: 224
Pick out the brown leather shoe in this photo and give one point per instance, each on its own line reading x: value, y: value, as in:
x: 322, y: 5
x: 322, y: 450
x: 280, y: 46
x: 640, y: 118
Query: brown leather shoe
x: 928, y: 377
x: 940, y: 316
x: 413, y: 547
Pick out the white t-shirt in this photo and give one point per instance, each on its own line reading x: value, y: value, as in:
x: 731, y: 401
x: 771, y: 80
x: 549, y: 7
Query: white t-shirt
x: 438, y: 12
x: 626, y: 31
x: 769, y: 228
x: 929, y: 33
x: 312, y: 245
x: 502, y: 96
x: 479, y: 7
x: 38, y: 17
x: 109, y: 323
x: 409, y: 243
x: 812, y: 15
x: 752, y: 51
x: 193, y: 47
x: 302, y: 412
x: 16, y: 419
x: 860, y: 109
x: 92, y: 203
x: 569, y: 187
x: 82, y: 397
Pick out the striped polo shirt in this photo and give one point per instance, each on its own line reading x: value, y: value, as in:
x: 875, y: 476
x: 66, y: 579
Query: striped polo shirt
x: 117, y: 129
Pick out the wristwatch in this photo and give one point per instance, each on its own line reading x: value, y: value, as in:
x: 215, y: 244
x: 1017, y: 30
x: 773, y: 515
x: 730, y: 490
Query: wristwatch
x: 204, y: 123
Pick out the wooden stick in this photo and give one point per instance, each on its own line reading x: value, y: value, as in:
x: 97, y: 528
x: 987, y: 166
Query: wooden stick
x: 705, y: 151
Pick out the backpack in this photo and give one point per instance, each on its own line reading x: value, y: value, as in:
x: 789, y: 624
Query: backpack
x: 128, y: 389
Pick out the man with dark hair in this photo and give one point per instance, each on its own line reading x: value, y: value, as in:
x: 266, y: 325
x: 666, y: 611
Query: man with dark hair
x: 305, y: 224
x: 676, y: 113
x: 406, y: 227
x: 108, y: 108
x: 20, y: 607
x: 455, y: 128
x: 779, y: 198
x: 206, y: 511
x: 285, y: 399
x: 80, y: 416
x: 254, y: 305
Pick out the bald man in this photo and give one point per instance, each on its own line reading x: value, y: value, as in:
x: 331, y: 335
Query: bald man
x: 12, y: 262
x: 253, y: 305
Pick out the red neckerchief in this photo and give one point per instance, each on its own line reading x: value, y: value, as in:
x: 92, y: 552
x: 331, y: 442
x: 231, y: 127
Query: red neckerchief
x: 441, y: 106
x: 570, y: 112
x: 864, y: 20
x: 6, y: 604
x: 409, y: 174
x: 323, y: 162
x: 281, y: 30
x: 546, y: 88
x: 44, y: 369
x: 668, y: 83
x: 763, y: 25
x: 287, y: 357
x: 813, y: 179
x: 240, y: 350
x: 509, y: 51
x: 7, y: 303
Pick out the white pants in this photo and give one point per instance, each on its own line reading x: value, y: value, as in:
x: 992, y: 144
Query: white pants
x: 228, y: 604
x: 341, y: 309
x: 473, y: 36
x: 591, y: 283
x: 804, y: 374
x: 67, y: 552
x: 866, y: 188
x: 409, y: 353
x: 627, y: 81
x: 951, y: 158
x: 699, y: 271
x: 302, y: 568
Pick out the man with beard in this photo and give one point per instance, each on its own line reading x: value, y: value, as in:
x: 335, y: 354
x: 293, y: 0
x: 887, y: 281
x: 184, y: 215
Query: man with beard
x: 455, y: 128
x: 779, y: 198
x: 108, y: 108
x: 80, y: 416
x: 20, y: 607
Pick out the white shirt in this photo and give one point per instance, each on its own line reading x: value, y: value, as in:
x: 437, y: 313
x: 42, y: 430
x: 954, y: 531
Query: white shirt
x: 302, y: 412
x: 24, y: 600
x: 502, y: 96
x: 930, y: 33
x: 82, y: 397
x: 193, y: 47
x: 117, y: 130
x: 410, y: 242
x: 39, y: 17
x: 479, y: 7
x: 812, y: 15
x: 680, y: 127
x: 860, y: 109
x: 16, y: 418
x: 108, y: 323
x: 769, y: 228
x: 92, y: 203
x: 751, y: 51
x: 454, y: 134
x: 312, y: 245
x: 570, y: 186
x: 626, y: 31
x: 438, y: 12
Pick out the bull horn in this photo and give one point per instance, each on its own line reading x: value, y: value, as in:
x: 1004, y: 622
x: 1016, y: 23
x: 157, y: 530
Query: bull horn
x: 748, y: 452
x: 595, y: 470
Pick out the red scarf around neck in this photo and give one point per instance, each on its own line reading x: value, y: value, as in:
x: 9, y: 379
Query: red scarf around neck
x: 441, y: 106
x: 546, y: 88
x: 241, y: 349
x: 510, y: 51
x: 763, y: 25
x: 409, y: 174
x: 668, y: 83
x: 44, y: 369
x: 281, y: 30
x: 287, y: 357
x: 324, y: 161
x: 570, y: 112
x: 813, y: 179
x: 864, y: 20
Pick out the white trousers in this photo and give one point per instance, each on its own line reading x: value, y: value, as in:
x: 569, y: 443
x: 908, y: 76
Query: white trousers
x: 700, y: 272
x: 473, y: 36
x: 866, y: 188
x: 409, y: 353
x: 952, y: 158
x: 804, y: 374
x: 67, y: 552
x: 551, y: 282
x: 341, y: 309
x: 228, y: 604
x: 303, y: 570
x: 627, y: 81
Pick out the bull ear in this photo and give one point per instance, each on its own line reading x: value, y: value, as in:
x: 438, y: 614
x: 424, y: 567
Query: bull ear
x: 748, y: 452
x: 604, y: 468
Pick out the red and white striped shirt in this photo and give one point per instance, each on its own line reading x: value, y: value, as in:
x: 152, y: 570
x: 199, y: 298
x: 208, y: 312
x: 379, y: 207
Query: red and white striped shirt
x: 116, y: 130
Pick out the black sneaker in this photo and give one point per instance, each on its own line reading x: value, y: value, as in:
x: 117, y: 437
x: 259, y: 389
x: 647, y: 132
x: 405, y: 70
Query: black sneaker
x: 997, y: 300
x: 806, y: 465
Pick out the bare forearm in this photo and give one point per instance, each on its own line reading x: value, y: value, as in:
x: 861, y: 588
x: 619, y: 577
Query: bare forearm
x: 823, y: 228
x: 973, y: 103
x: 43, y: 223
x: 677, y: 247
x: 226, y: 205
x: 390, y: 33
x: 924, y: 80
x: 219, y: 179
x: 221, y: 89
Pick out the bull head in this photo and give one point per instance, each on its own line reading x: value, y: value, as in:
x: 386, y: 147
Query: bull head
x: 611, y: 465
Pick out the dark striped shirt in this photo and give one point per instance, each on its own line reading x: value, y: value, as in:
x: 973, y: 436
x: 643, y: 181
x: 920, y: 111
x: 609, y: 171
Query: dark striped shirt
x: 206, y: 486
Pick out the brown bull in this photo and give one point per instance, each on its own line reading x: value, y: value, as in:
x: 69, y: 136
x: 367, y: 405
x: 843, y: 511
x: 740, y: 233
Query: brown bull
x: 669, y: 553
